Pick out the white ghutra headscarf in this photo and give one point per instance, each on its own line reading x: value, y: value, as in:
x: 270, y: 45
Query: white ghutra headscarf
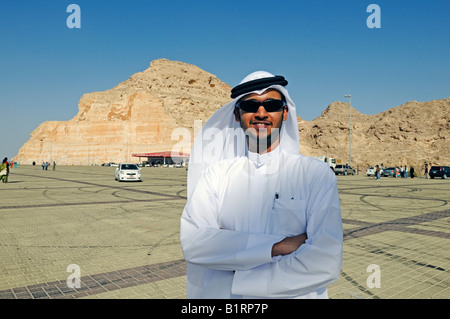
x: 222, y: 136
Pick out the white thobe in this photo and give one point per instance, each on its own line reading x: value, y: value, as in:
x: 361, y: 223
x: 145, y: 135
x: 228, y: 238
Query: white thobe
x: 241, y: 207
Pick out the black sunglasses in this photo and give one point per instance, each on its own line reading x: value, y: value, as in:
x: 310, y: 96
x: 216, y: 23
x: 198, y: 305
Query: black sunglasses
x: 253, y: 105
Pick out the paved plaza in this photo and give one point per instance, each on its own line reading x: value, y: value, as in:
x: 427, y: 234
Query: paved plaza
x: 75, y: 232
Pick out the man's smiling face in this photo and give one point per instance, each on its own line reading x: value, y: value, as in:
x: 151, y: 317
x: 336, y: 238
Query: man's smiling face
x: 262, y: 127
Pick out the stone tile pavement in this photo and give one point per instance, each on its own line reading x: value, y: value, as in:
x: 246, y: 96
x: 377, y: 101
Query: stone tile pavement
x: 122, y: 239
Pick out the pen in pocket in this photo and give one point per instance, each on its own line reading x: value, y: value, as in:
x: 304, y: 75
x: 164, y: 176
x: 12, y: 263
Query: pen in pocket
x: 275, y: 197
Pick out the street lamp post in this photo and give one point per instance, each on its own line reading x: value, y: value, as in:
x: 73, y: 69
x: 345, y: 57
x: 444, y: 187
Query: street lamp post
x: 350, y: 130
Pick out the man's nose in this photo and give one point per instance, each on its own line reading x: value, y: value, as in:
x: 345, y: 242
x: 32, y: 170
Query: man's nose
x: 261, y: 112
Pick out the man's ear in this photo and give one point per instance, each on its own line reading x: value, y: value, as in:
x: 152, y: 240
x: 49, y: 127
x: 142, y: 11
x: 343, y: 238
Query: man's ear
x: 237, y: 114
x: 285, y: 113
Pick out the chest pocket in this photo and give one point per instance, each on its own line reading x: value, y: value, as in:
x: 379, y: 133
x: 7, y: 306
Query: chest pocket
x: 288, y: 217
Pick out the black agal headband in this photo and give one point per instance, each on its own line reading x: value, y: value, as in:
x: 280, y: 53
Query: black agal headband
x: 257, y: 84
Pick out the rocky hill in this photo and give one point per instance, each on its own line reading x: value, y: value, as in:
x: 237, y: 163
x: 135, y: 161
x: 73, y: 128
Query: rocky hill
x: 138, y: 115
x: 411, y: 134
x: 155, y: 109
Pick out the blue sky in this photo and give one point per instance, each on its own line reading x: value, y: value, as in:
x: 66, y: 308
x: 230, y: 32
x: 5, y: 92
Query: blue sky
x: 323, y: 47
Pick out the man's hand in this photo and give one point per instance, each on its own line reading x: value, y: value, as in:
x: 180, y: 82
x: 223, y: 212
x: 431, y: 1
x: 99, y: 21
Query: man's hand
x: 288, y: 245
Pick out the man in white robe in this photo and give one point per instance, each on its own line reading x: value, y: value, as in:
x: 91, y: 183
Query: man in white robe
x: 261, y: 220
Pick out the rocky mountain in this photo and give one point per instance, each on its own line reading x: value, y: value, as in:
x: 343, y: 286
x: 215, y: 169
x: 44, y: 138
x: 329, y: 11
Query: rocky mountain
x: 155, y: 109
x: 411, y: 134
x: 138, y: 115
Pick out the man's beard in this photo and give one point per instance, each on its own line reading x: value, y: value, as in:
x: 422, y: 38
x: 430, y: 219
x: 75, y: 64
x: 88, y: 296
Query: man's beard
x: 259, y: 141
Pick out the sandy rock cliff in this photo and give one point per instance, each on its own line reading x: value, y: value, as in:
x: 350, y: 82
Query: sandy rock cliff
x: 138, y: 115
x: 152, y: 110
x: 411, y: 134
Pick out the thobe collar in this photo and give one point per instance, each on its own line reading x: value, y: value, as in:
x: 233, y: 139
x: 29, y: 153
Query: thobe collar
x: 267, y: 159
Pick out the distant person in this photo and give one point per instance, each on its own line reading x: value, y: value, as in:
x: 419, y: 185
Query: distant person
x: 4, y: 170
x: 378, y: 172
x: 411, y: 171
x: 396, y: 172
x: 406, y: 171
x: 426, y: 172
x: 54, y: 165
x: 402, y: 171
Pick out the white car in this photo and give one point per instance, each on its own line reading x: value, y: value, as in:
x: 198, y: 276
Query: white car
x: 370, y: 171
x: 128, y: 172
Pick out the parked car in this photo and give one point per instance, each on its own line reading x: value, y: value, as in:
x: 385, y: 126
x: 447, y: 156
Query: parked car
x: 127, y: 172
x: 370, y: 171
x: 344, y: 169
x: 145, y: 164
x: 440, y: 171
x: 389, y: 171
x: 110, y: 164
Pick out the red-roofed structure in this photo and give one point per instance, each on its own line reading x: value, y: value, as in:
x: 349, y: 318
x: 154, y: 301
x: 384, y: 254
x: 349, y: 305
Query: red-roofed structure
x: 161, y: 154
x: 161, y: 157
